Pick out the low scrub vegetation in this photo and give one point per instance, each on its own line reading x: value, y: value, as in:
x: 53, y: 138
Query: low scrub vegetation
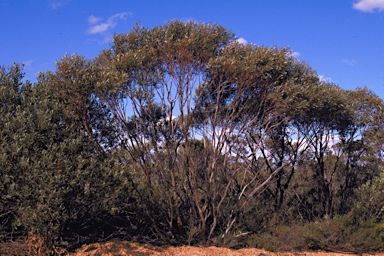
x: 341, y: 233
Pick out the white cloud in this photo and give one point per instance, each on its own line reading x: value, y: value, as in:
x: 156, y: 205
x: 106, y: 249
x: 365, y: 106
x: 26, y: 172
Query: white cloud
x: 241, y: 41
x: 93, y: 19
x: 101, y: 28
x: 349, y: 62
x: 57, y: 3
x: 369, y: 5
x: 325, y: 79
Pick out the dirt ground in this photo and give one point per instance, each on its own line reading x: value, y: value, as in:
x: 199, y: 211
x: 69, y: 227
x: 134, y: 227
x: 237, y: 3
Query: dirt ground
x: 123, y: 248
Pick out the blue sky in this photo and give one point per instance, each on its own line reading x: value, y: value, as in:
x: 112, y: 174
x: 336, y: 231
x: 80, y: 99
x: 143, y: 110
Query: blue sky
x: 343, y: 40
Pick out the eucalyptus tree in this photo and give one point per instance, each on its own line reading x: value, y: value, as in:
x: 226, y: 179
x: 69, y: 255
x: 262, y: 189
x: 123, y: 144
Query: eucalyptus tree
x: 286, y: 142
x: 250, y: 110
x: 339, y: 127
x: 332, y: 134
x: 323, y: 119
x: 171, y: 86
x: 361, y: 145
x: 73, y: 84
x: 148, y: 80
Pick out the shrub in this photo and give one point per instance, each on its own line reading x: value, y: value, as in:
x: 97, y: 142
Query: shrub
x: 341, y: 233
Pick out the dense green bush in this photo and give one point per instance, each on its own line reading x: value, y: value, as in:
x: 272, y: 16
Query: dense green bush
x: 341, y: 233
x: 370, y: 203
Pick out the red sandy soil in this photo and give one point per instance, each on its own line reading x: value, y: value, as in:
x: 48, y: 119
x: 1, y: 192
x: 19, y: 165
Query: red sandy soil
x: 123, y: 248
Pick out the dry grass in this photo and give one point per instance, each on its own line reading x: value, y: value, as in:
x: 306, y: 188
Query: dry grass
x: 32, y: 245
x: 14, y: 248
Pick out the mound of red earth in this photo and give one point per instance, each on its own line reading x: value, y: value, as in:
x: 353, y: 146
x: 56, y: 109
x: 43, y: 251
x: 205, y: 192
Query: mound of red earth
x: 124, y: 248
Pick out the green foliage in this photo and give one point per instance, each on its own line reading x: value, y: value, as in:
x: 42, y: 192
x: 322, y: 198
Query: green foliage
x: 10, y: 152
x: 370, y: 203
x: 341, y: 233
